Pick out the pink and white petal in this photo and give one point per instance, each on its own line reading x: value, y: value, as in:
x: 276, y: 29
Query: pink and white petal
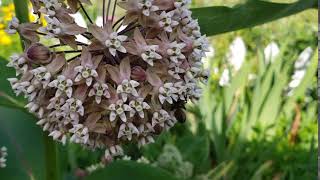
x: 169, y: 100
x: 134, y: 93
x: 114, y: 73
x: 162, y: 98
x: 78, y: 78
x: 58, y: 93
x: 113, y: 51
x: 139, y: 39
x: 112, y: 116
x: 141, y: 114
x: 112, y: 107
x: 69, y: 92
x: 153, y: 78
x: 122, y: 49
x: 123, y: 117
x: 98, y: 99
x: 125, y: 68
x: 89, y: 81
x: 98, y: 32
x: 92, y: 92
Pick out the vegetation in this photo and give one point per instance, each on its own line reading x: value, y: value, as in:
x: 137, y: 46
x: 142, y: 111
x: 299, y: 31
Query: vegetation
x: 258, y: 121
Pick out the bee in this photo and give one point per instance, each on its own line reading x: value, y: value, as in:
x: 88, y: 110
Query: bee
x: 179, y: 111
x: 180, y: 115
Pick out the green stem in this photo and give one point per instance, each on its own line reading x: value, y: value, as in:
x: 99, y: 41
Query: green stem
x: 22, y: 13
x: 51, y: 159
x: 21, y: 8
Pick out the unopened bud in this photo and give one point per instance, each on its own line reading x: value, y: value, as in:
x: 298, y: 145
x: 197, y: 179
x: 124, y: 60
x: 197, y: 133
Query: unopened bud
x: 39, y: 54
x: 138, y: 73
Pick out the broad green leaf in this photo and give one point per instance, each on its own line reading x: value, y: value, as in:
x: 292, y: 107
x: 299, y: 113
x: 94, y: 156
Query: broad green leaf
x: 24, y: 140
x: 219, y: 19
x: 122, y: 170
x: 238, y: 82
x: 272, y: 104
x: 218, y: 134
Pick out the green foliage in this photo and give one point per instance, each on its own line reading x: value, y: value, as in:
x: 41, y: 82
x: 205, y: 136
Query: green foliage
x: 237, y: 132
x: 24, y: 140
x: 216, y: 20
x: 252, y: 123
x: 130, y: 170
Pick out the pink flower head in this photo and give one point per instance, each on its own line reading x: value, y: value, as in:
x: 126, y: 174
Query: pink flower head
x: 106, y: 86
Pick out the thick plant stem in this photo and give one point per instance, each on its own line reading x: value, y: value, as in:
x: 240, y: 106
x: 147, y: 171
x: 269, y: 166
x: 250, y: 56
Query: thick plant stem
x: 51, y: 159
x: 22, y: 13
x: 21, y: 9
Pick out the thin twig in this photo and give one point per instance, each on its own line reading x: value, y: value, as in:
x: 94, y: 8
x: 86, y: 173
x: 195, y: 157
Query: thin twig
x: 128, y: 29
x: 104, y: 12
x: 40, y: 33
x: 71, y: 51
x: 87, y: 35
x: 117, y: 22
x: 74, y: 58
x: 60, y: 45
x: 114, y: 10
x: 108, y: 10
x: 128, y: 26
x: 85, y: 12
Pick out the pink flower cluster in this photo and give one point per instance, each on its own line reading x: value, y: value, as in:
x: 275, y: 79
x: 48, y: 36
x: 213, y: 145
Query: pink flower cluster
x: 124, y: 85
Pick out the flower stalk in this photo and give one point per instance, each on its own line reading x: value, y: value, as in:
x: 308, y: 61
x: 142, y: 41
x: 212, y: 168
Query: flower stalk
x: 21, y: 10
x: 51, y: 158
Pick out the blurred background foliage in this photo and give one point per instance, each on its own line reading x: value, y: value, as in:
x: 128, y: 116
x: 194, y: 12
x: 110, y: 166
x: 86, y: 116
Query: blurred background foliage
x: 257, y: 118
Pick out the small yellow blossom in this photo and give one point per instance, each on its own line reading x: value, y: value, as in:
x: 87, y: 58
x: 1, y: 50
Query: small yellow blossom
x: 8, y: 12
x: 4, y: 38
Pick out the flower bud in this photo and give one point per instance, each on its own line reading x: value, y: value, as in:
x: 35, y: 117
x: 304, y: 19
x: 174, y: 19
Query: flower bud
x: 39, y: 54
x: 138, y: 73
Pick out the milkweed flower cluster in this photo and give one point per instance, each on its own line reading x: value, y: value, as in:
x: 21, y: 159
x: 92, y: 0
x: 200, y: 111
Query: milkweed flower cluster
x: 123, y: 85
x: 3, y: 157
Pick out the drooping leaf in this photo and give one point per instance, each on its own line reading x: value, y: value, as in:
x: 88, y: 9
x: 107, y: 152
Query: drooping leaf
x: 121, y: 170
x: 23, y: 139
x: 220, y: 19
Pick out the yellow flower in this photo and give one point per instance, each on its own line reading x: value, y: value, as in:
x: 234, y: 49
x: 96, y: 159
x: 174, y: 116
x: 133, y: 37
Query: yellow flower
x: 8, y: 12
x: 33, y: 17
x: 4, y: 38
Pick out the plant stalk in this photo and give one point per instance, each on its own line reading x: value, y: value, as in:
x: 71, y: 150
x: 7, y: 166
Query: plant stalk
x: 22, y: 13
x: 51, y: 158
